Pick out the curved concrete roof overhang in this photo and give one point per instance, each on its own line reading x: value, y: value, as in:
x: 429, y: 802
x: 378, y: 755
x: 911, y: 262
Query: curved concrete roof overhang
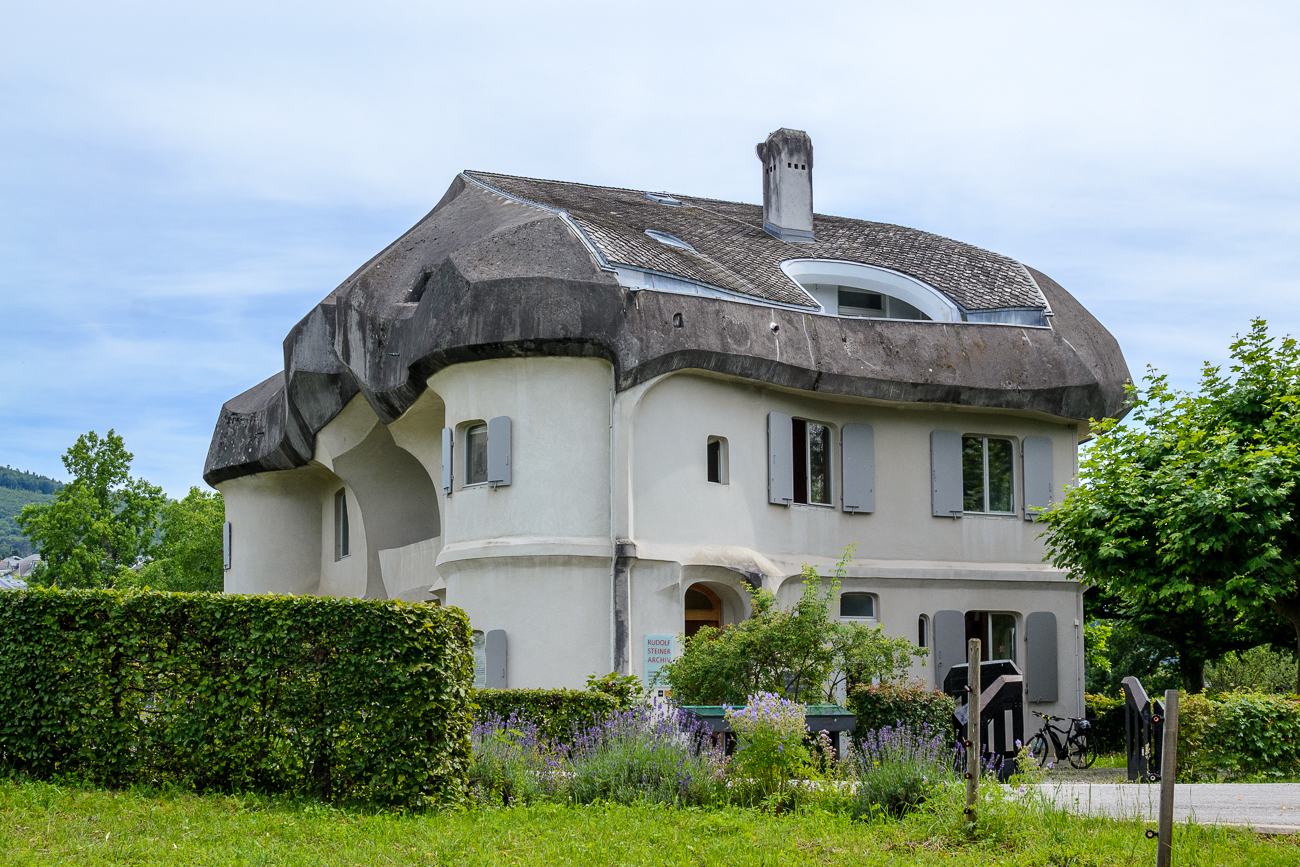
x: 486, y: 275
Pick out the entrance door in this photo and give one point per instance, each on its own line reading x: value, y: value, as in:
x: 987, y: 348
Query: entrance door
x: 703, y: 608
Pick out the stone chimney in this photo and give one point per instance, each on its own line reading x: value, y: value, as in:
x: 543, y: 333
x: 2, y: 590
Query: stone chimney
x: 787, y: 158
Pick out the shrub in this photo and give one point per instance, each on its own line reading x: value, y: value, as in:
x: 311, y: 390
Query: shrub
x: 770, y: 731
x: 1242, y: 735
x: 558, y: 714
x: 646, y: 753
x: 1107, y: 717
x: 914, y: 706
x: 897, y: 769
x: 1195, y: 718
x: 344, y: 699
x: 626, y: 689
x: 1258, y: 669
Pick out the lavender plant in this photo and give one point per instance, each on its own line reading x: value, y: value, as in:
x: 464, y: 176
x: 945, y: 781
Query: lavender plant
x: 897, y: 768
x: 646, y: 753
x: 511, y: 763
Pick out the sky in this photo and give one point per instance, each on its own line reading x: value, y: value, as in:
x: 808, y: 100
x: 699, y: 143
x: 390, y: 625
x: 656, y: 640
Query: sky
x: 180, y: 184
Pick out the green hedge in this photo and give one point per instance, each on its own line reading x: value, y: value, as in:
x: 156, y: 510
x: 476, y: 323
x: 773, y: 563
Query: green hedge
x: 1238, y: 735
x: 557, y: 713
x: 912, y: 705
x: 343, y: 699
x: 1107, y: 717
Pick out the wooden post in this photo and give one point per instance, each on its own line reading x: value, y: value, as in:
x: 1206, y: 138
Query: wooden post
x: 1168, y: 773
x: 972, y: 728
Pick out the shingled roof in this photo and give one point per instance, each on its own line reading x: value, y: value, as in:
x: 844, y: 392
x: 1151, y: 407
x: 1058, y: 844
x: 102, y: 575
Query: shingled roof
x: 731, y: 251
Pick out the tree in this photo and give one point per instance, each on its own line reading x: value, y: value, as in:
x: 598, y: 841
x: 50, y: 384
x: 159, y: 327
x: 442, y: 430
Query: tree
x: 188, y: 555
x: 99, y: 525
x: 799, y: 653
x: 1186, y: 518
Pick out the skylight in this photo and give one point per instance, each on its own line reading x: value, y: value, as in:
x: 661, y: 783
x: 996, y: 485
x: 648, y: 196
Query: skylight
x: 663, y: 199
x: 670, y: 240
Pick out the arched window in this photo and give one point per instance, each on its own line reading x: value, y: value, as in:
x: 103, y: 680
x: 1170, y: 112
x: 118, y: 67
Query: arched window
x: 922, y: 631
x: 703, y: 608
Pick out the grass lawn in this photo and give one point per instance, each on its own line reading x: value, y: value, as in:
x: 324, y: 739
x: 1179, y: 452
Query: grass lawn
x: 47, y: 824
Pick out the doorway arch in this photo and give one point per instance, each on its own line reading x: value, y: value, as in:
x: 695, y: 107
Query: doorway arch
x: 703, y: 607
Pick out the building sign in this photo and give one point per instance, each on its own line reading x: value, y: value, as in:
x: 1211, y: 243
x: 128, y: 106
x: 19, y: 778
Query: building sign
x: 658, y: 653
x: 480, y: 660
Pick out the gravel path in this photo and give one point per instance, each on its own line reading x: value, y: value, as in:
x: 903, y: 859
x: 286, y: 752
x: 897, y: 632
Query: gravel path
x: 1269, y: 808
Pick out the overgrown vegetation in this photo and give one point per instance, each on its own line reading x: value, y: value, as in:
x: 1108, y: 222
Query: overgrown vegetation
x: 802, y: 652
x: 342, y: 699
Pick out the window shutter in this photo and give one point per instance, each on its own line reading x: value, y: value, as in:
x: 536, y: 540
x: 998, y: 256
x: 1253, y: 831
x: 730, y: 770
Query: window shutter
x: 949, y: 643
x: 858, y: 463
x: 495, y: 651
x: 780, y: 459
x: 1040, y: 656
x: 945, y: 473
x: 225, y: 545
x: 448, y: 439
x: 1038, y: 476
x: 499, y: 452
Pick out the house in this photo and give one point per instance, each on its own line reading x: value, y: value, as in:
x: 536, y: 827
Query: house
x: 593, y: 418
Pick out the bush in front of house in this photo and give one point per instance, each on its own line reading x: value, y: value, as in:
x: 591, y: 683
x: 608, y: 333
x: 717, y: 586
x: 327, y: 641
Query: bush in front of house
x: 898, y: 768
x: 343, y: 699
x: 913, y: 705
x: 557, y: 714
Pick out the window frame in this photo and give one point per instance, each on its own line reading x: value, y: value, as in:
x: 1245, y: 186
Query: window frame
x: 851, y: 618
x: 465, y: 429
x: 805, y: 462
x: 342, y: 526
x: 724, y: 475
x: 1011, y: 469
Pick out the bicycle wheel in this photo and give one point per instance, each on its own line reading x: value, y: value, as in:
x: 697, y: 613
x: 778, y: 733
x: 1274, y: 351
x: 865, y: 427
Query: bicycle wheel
x: 1082, y: 750
x: 1038, y: 749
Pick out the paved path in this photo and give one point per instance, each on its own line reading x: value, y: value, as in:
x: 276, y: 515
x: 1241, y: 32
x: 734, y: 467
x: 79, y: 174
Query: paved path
x: 1270, y: 808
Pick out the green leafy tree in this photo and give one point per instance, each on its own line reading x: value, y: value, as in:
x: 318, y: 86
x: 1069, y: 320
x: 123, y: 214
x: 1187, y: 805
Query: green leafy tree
x: 188, y: 555
x: 101, y: 524
x: 801, y: 653
x: 1185, y: 519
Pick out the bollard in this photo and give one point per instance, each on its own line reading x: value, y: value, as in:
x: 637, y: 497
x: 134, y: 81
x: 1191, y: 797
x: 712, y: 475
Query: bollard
x: 972, y: 728
x: 1168, y: 770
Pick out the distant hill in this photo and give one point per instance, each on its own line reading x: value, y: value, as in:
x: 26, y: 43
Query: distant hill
x: 17, y: 489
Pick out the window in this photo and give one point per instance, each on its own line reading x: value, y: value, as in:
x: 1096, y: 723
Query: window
x: 922, y: 631
x: 811, y: 443
x: 717, y: 460
x: 476, y: 454
x: 854, y: 303
x: 986, y: 475
x: 342, y: 544
x: 996, y: 632
x: 858, y: 605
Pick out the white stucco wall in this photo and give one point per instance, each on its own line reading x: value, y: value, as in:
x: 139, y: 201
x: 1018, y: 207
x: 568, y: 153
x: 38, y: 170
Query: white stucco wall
x: 275, y: 531
x: 534, y: 558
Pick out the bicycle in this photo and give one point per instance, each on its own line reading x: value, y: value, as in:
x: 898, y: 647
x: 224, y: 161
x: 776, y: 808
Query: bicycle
x: 1079, y: 747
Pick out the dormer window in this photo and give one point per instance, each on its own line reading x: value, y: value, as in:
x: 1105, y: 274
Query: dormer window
x: 854, y: 303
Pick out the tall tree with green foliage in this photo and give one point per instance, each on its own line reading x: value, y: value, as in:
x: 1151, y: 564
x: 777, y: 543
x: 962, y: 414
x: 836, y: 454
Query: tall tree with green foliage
x: 1187, y: 517
x: 102, y: 523
x: 801, y: 652
x: 188, y: 555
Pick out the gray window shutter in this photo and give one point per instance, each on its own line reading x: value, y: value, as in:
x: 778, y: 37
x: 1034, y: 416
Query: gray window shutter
x: 948, y: 640
x: 495, y: 651
x: 858, y: 446
x: 1040, y: 656
x: 448, y: 441
x: 225, y: 545
x: 1038, y: 475
x: 780, y: 459
x: 499, y: 452
x: 945, y: 473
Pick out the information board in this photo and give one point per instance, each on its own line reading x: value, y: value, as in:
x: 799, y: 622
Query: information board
x: 658, y: 653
